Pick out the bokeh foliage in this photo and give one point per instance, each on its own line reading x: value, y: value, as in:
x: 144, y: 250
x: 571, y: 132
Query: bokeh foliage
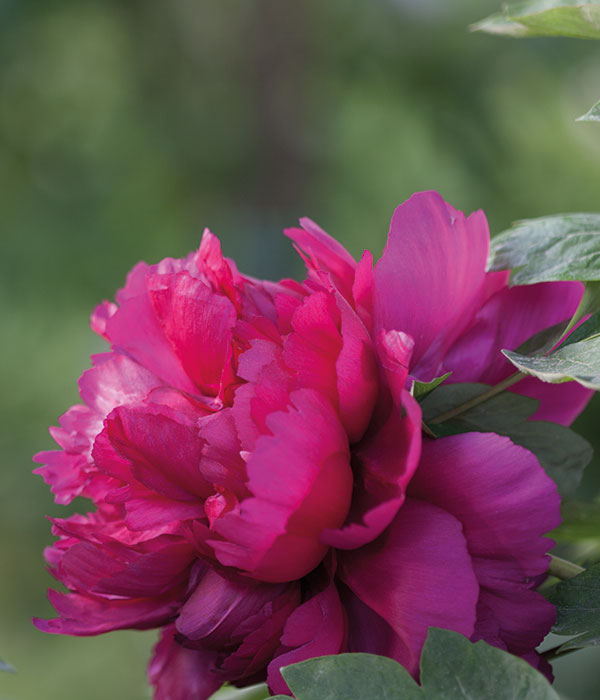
x: 126, y: 127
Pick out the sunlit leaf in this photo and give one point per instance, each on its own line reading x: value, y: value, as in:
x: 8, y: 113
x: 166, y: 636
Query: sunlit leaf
x: 573, y: 18
x: 593, y: 115
x: 577, y: 361
x: 551, y: 248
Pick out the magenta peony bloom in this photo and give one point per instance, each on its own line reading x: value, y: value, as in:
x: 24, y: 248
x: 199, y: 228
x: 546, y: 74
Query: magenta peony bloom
x: 262, y: 489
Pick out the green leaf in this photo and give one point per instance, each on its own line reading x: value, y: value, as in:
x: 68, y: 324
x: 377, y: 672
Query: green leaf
x: 551, y: 248
x: 422, y: 389
x: 586, y: 331
x: 252, y: 692
x: 593, y: 115
x: 502, y: 412
x: 451, y: 668
x: 351, y: 677
x: 6, y: 667
x: 573, y: 18
x: 562, y: 453
x: 578, y: 361
x: 545, y: 340
x: 577, y: 604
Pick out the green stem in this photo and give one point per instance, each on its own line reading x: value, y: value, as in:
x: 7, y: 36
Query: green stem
x: 476, y: 400
x: 563, y: 569
x: 427, y: 430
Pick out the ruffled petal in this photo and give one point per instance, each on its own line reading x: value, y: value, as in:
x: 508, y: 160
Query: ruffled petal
x: 181, y: 674
x: 505, y: 502
x: 430, y: 279
x: 301, y: 480
x: 417, y: 574
x: 316, y: 628
x: 322, y: 252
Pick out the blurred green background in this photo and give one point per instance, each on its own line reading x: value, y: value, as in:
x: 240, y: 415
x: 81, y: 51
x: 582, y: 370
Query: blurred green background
x: 126, y: 127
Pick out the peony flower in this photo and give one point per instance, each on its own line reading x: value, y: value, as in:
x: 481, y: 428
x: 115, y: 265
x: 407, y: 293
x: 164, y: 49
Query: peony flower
x: 262, y: 489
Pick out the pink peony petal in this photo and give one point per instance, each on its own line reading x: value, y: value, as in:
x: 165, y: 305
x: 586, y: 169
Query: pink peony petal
x: 506, y: 321
x: 301, y: 480
x: 83, y: 615
x: 197, y: 323
x: 322, y: 252
x: 182, y: 674
x: 430, y: 278
x: 316, y: 628
x: 136, y: 331
x: 157, y: 447
x: 417, y: 574
x: 505, y: 502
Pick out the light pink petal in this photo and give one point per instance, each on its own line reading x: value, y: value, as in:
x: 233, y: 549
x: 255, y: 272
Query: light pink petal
x: 506, y: 502
x: 91, y: 568
x: 65, y: 474
x: 315, y: 628
x: 136, y: 331
x: 508, y: 319
x: 429, y: 281
x: 197, y: 323
x: 401, y: 577
x: 384, y: 463
x: 301, y: 480
x: 146, y: 509
x: 115, y: 380
x: 312, y: 349
x: 386, y: 458
x: 182, y: 674
x: 157, y: 447
x: 322, y: 252
x: 216, y: 269
x: 84, y: 615
x: 357, y: 376
x: 100, y: 317
x: 362, y: 289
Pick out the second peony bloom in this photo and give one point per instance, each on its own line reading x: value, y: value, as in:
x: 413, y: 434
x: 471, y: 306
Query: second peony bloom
x: 263, y: 491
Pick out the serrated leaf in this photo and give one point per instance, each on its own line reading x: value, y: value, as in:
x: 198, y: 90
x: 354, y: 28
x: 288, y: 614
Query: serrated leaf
x: 548, y: 249
x: 451, y: 668
x: 422, y: 389
x: 544, y: 340
x: 562, y: 453
x: 593, y: 115
x: 573, y: 18
x: 577, y: 361
x: 6, y: 667
x: 577, y: 604
x: 501, y: 412
x: 352, y: 677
